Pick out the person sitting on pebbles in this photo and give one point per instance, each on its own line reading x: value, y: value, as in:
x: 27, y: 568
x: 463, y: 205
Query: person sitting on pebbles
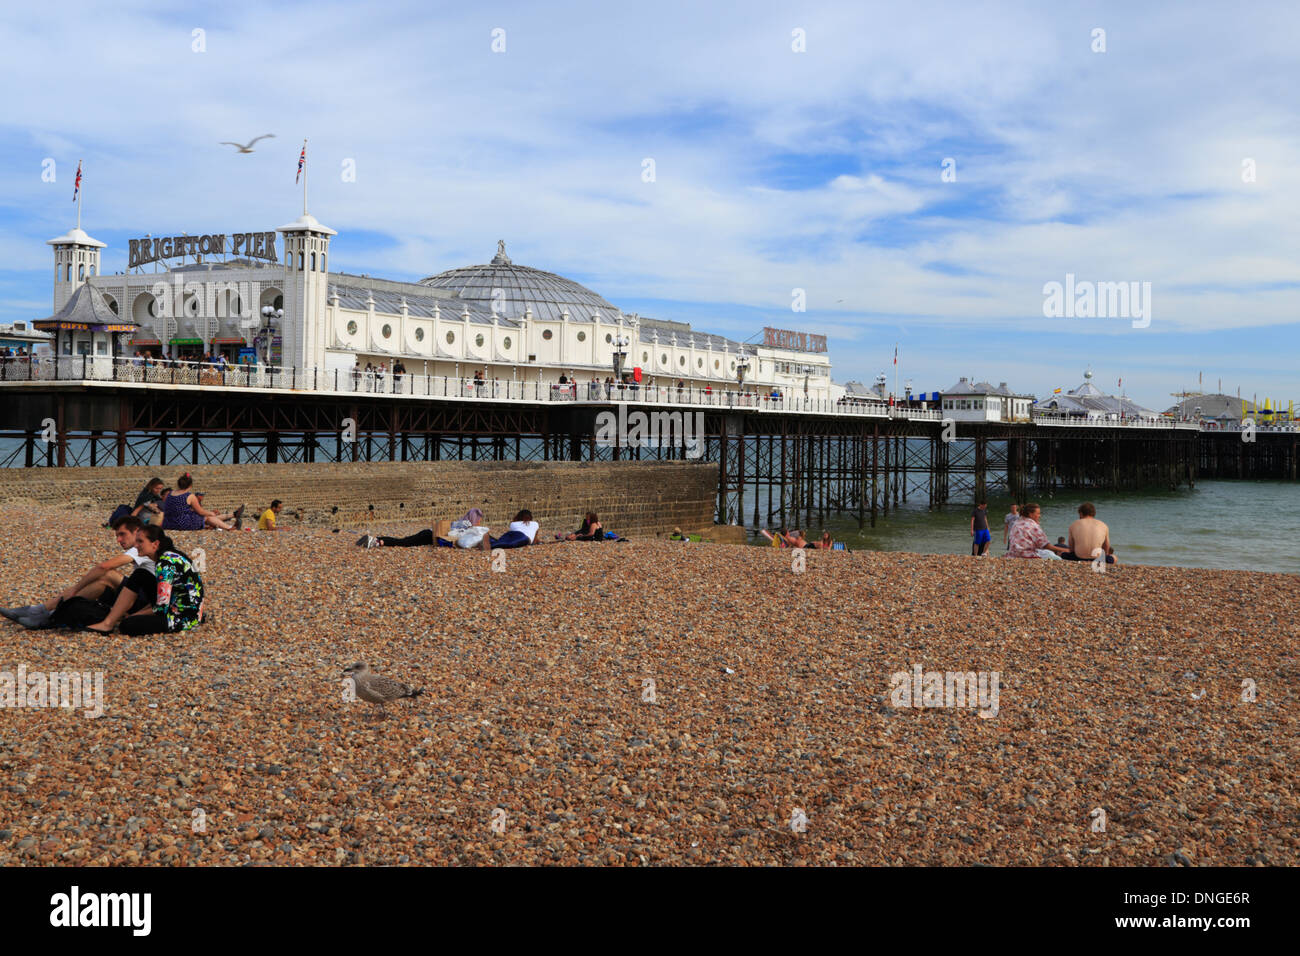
x: 174, y: 591
x: 1028, y: 539
x: 184, y: 511
x: 591, y: 530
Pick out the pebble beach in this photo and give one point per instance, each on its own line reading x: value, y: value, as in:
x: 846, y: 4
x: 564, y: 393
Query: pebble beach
x: 653, y: 703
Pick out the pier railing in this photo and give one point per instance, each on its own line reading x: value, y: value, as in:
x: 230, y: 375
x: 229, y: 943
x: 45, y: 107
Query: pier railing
x: 1107, y: 421
x: 182, y: 374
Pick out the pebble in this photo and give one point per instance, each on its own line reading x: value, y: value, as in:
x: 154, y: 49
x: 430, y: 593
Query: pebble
x: 772, y: 692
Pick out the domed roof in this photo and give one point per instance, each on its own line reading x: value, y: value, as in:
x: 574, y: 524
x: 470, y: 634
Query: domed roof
x: 546, y: 293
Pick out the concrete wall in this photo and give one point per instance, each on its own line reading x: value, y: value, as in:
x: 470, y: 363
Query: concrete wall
x: 633, y: 498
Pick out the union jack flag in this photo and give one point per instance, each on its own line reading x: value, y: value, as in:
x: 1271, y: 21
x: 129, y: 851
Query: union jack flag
x: 302, y: 161
x: 76, y: 187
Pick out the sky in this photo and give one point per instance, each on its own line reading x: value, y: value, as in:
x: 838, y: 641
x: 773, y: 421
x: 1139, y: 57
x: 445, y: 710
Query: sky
x: 910, y: 175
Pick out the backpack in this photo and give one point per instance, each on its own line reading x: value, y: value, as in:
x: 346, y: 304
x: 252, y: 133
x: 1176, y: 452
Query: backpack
x: 78, y: 612
x: 121, y: 511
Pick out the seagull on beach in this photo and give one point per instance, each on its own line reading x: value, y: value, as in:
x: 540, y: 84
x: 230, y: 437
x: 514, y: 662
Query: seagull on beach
x: 376, y: 689
x: 248, y: 147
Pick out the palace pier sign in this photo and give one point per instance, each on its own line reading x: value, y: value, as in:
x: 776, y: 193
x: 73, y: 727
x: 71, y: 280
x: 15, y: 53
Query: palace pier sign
x: 802, y: 341
x: 252, y: 245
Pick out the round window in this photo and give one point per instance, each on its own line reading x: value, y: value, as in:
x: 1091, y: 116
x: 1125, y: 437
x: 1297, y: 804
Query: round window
x: 681, y: 360
x: 609, y: 337
x: 352, y: 327
x: 419, y: 335
x: 546, y: 334
x: 387, y: 331
x: 699, y: 363
x: 733, y: 366
x: 663, y: 358
x: 645, y: 356
x: 478, y: 340
x: 505, y: 343
x: 582, y: 336
x: 717, y: 363
x: 451, y: 338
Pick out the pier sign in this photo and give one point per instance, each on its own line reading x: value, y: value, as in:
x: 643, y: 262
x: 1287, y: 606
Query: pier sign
x: 801, y: 341
x: 252, y: 245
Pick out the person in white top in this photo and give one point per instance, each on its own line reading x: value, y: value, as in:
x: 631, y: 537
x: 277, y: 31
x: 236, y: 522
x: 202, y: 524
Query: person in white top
x: 101, y: 579
x: 522, y: 532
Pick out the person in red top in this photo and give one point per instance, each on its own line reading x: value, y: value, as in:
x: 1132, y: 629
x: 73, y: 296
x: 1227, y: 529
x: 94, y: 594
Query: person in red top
x: 1028, y: 539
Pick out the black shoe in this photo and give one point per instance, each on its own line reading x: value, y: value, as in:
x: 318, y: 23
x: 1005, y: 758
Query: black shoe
x: 363, y: 541
x: 239, y: 517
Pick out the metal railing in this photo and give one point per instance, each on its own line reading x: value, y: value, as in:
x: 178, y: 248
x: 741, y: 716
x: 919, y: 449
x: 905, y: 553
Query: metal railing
x: 102, y: 368
x: 1105, y: 421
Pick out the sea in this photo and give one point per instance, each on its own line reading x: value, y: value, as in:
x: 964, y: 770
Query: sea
x: 1241, y: 525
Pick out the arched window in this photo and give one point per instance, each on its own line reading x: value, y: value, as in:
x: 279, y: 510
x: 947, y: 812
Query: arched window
x: 300, y: 261
x: 322, y: 262
x: 68, y: 277
x: 313, y: 262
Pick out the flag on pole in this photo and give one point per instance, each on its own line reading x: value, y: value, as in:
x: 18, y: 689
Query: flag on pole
x: 1056, y: 391
x: 895, y: 353
x: 1120, y: 383
x: 302, y: 161
x: 76, y: 186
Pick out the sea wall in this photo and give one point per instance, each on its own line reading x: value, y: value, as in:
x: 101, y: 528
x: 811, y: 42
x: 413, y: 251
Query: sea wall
x: 634, y: 498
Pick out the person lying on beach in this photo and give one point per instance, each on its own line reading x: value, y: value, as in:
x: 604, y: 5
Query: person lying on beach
x: 177, y: 595
x: 426, y: 538
x: 1027, y: 538
x: 266, y: 522
x: 521, y: 533
x: 148, y: 502
x: 1087, y: 535
x: 102, y: 579
x: 782, y: 539
x: 591, y: 530
x: 184, y: 511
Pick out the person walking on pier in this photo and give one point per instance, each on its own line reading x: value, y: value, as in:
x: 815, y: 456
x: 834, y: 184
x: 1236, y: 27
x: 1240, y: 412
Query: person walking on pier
x: 979, y: 529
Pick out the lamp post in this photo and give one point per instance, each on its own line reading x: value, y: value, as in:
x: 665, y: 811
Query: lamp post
x: 742, y: 364
x: 621, y: 342
x: 270, y: 316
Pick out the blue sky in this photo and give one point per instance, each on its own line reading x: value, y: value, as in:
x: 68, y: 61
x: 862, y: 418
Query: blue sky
x: 775, y: 170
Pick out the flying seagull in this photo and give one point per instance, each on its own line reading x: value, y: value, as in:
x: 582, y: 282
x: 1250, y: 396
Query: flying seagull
x: 249, y: 147
x: 378, y: 690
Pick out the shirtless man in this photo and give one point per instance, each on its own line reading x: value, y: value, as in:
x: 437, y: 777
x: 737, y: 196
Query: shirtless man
x: 1087, y: 535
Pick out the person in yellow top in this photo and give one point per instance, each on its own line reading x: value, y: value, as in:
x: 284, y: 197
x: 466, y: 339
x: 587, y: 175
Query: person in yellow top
x: 267, y: 521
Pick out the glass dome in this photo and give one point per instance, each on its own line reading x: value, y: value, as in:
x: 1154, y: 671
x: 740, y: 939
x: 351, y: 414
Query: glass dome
x: 546, y: 293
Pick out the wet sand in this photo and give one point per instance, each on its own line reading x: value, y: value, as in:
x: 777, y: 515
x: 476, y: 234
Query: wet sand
x: 771, y: 694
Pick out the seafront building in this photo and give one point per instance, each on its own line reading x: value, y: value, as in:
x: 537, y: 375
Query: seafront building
x: 1089, y: 403
x: 241, y: 297
x: 981, y: 402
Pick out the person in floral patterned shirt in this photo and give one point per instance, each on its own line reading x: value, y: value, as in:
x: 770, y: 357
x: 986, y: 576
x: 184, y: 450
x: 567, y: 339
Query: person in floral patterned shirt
x: 176, y: 587
x: 1028, y: 539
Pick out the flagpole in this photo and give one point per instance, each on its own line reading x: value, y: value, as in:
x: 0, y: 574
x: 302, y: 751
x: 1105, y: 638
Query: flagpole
x: 79, y: 196
x: 895, y: 373
x: 304, y: 177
